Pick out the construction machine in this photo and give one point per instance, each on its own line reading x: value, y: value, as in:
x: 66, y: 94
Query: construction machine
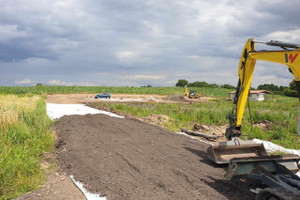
x: 247, y: 157
x: 192, y: 94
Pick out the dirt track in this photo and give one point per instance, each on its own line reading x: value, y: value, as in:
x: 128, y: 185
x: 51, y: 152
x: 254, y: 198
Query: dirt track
x: 88, y: 98
x: 128, y: 159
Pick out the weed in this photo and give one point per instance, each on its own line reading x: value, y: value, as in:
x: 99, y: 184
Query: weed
x: 24, y: 137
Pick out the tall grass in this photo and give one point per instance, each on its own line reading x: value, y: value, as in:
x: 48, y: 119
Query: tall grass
x: 100, y: 89
x: 24, y: 137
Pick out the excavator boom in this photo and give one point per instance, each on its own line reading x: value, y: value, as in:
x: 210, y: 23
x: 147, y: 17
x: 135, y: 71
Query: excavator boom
x: 289, y: 57
x: 247, y: 157
x: 235, y: 147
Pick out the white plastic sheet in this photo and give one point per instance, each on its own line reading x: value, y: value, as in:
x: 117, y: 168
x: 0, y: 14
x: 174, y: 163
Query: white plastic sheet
x: 271, y: 147
x: 87, y: 194
x: 56, y: 111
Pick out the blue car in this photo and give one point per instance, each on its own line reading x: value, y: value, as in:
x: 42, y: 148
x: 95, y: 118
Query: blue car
x: 103, y: 95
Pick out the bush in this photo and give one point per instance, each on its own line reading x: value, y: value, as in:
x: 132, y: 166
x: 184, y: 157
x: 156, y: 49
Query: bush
x: 290, y: 93
x: 181, y: 83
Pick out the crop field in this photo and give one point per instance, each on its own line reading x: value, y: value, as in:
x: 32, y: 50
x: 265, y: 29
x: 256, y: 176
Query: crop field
x: 24, y: 137
x: 121, y: 90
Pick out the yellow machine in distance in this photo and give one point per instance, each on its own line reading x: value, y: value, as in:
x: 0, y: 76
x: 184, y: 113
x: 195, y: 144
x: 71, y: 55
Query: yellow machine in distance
x: 192, y: 94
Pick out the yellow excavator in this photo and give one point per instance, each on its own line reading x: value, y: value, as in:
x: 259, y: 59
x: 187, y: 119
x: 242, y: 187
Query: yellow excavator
x: 247, y: 158
x: 192, y: 94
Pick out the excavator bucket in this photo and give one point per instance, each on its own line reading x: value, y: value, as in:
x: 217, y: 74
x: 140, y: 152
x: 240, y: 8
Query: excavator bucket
x: 225, y: 151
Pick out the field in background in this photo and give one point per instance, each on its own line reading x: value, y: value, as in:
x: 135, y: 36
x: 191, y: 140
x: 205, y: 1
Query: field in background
x: 25, y: 128
x: 281, y: 114
x: 122, y: 90
x: 24, y: 137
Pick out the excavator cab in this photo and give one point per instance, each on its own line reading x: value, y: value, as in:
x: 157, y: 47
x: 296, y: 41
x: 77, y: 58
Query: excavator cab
x: 192, y: 94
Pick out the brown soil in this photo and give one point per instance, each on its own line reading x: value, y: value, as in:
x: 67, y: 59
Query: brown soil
x: 129, y: 159
x: 264, y: 124
x: 86, y: 98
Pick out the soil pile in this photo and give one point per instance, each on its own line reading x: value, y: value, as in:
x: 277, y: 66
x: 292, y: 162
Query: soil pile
x: 128, y: 159
x: 176, y: 98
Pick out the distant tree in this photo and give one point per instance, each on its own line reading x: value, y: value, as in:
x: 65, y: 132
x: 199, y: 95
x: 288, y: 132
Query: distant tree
x: 227, y: 86
x: 149, y: 85
x: 292, y: 85
x: 213, y: 85
x: 281, y: 88
x: 290, y: 93
x: 198, y: 84
x: 181, y: 83
x: 291, y: 90
x: 270, y: 87
x: 39, y: 84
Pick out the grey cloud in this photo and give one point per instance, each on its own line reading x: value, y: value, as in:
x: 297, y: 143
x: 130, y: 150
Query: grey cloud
x: 73, y: 41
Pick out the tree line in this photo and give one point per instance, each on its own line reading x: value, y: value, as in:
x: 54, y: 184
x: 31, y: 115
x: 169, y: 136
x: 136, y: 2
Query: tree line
x: 282, y: 90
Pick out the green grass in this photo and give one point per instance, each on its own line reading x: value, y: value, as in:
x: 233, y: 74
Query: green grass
x: 22, y: 145
x: 124, y: 90
x: 282, y: 111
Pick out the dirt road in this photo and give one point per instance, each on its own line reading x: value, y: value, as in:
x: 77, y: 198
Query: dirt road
x: 88, y: 98
x: 129, y: 159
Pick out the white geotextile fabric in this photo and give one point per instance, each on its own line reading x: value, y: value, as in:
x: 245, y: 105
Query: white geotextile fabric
x: 56, y: 111
x: 271, y: 147
x: 87, y: 194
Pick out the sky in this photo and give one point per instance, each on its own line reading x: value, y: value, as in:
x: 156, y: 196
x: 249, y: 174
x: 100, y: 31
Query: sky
x: 139, y: 42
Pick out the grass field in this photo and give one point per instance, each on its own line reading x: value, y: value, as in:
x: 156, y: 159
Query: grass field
x: 24, y: 137
x: 122, y: 90
x: 282, y: 112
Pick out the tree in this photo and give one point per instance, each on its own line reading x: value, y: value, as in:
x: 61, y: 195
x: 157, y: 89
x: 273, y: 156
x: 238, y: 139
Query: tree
x: 227, y: 86
x: 213, y: 85
x: 181, y: 83
x: 291, y: 90
x: 198, y: 84
x: 270, y: 87
x: 292, y: 85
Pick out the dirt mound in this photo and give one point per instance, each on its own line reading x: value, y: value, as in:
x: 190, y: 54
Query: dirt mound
x: 219, y: 131
x: 176, y: 98
x: 264, y: 124
x: 128, y: 159
x: 159, y: 120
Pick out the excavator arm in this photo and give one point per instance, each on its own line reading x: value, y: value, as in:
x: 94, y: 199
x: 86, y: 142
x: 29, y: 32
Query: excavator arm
x: 288, y: 56
x: 247, y: 158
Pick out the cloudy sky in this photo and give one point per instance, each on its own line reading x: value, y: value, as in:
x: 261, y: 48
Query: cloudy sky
x: 139, y: 42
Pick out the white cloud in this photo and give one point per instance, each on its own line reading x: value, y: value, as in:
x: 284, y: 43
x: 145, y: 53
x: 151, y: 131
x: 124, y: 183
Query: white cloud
x: 286, y: 36
x: 86, y: 84
x: 149, y: 77
x: 126, y: 56
x: 110, y: 42
x: 58, y: 82
x: 26, y: 81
